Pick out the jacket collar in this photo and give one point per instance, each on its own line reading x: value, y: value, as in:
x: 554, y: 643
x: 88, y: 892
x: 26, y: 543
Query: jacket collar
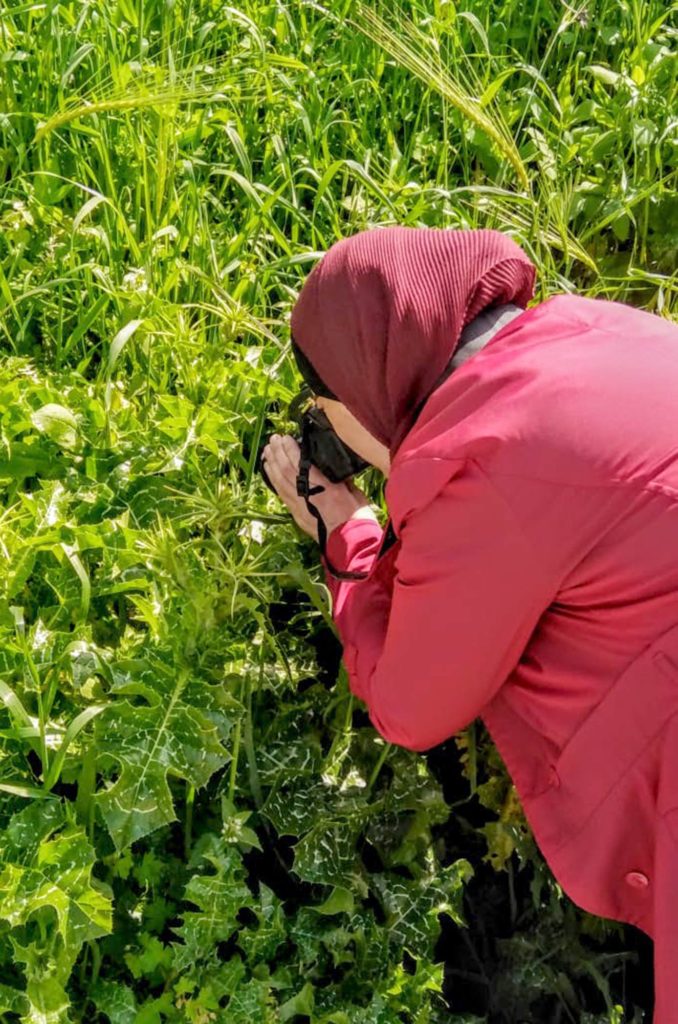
x: 413, y: 483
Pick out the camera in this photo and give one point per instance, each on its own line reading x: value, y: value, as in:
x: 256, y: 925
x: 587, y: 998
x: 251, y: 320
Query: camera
x: 319, y: 445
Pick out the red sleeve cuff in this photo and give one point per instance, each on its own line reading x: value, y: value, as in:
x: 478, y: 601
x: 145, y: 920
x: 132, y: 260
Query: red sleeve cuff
x: 352, y: 546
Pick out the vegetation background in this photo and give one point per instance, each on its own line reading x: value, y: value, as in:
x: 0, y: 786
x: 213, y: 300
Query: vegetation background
x: 197, y: 820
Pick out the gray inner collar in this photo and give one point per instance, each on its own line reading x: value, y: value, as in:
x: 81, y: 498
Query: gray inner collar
x: 477, y: 334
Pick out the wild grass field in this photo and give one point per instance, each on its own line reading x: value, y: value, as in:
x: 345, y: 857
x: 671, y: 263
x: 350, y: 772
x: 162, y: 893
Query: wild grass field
x: 198, y: 822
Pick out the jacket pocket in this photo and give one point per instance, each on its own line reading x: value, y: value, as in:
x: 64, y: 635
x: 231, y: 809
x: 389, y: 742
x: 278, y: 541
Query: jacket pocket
x: 620, y: 727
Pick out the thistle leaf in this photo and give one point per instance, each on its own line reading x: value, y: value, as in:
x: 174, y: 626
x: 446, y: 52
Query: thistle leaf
x: 166, y: 735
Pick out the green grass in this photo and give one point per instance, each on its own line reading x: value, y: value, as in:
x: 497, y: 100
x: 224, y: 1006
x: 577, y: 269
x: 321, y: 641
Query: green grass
x: 175, y: 717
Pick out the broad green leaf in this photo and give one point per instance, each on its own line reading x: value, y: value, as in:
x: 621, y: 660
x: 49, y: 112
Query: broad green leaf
x: 165, y: 735
x: 295, y: 809
x: 116, y: 1000
x: 20, y: 840
x: 328, y: 854
x: 227, y: 978
x: 58, y: 423
x: 20, y: 567
x: 24, y: 460
x: 252, y: 1001
x: 412, y: 906
x: 58, y: 876
x: 151, y: 960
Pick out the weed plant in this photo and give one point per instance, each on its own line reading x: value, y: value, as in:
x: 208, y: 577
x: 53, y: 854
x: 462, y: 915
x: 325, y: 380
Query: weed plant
x: 198, y: 822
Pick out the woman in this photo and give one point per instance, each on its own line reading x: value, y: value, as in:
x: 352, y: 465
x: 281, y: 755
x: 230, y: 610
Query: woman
x: 534, y: 577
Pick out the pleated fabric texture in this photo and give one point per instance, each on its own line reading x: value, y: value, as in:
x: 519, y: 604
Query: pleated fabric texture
x: 380, y: 315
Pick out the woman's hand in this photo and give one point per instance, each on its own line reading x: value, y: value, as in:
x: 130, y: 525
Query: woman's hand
x: 336, y: 504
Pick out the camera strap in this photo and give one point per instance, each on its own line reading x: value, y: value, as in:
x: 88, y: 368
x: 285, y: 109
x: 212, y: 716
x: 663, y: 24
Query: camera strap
x: 305, y: 492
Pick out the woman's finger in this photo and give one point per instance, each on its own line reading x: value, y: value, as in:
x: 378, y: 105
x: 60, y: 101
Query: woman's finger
x: 284, y: 454
x: 271, y: 460
x: 287, y: 472
x: 283, y: 477
x: 289, y: 455
x: 272, y: 474
x: 293, y: 451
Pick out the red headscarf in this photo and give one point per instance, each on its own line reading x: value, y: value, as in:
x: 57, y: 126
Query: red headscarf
x: 380, y: 315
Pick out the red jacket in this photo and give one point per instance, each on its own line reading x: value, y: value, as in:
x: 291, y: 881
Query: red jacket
x: 534, y: 583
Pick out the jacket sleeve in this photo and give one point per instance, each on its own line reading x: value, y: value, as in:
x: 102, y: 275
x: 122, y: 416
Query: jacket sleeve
x: 431, y: 635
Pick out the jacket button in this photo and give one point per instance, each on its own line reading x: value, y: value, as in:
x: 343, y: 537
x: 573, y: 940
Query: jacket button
x: 637, y: 879
x: 554, y: 778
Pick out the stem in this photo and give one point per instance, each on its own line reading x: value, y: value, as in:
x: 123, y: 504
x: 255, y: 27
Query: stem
x: 96, y: 960
x: 83, y: 964
x: 188, y: 821
x: 255, y: 784
x: 473, y: 976
x: 464, y: 933
x: 86, y: 781
x: 234, y: 761
x: 33, y: 672
x: 377, y: 768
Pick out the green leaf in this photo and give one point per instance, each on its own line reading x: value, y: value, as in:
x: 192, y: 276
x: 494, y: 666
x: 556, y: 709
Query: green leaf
x: 303, y: 1003
x: 327, y: 853
x: 30, y: 792
x: 234, y: 828
x: 219, y: 898
x: 119, y: 342
x: 149, y: 741
x: 12, y: 1000
x: 58, y: 875
x: 80, y: 571
x: 28, y: 460
x: 603, y: 74
x: 117, y: 345
x: 152, y: 961
x: 46, y: 977
x: 412, y: 906
x: 337, y: 902
x: 252, y: 1001
x: 58, y: 423
x: 20, y: 840
x: 115, y: 1000
x: 74, y: 727
x: 46, y: 876
x: 263, y: 941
